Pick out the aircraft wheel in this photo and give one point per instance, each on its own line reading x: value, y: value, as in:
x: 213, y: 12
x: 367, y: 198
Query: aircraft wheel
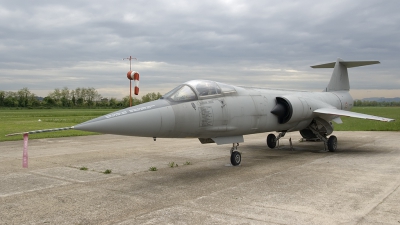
x: 332, y: 143
x: 236, y: 158
x: 271, y: 140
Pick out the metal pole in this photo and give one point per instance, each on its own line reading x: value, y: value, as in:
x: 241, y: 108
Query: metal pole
x: 130, y: 62
x: 130, y: 82
x: 130, y: 93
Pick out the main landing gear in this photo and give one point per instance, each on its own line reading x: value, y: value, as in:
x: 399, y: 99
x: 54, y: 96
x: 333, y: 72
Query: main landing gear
x: 272, y: 139
x: 330, y: 143
x: 236, y: 157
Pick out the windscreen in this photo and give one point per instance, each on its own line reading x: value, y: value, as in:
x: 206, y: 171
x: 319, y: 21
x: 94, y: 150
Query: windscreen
x: 195, y: 89
x: 205, y: 87
x: 182, y: 93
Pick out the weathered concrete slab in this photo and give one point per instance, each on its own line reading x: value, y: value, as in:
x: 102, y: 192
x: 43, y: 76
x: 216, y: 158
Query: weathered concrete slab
x: 358, y: 184
x: 187, y: 215
x: 73, y: 174
x: 19, y: 183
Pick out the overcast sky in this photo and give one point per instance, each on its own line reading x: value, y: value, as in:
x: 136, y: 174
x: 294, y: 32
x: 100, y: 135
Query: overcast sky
x: 53, y: 44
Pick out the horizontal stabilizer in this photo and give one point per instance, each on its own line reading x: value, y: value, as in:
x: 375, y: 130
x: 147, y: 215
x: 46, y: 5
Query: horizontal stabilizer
x: 340, y: 77
x: 338, y: 112
x: 348, y: 64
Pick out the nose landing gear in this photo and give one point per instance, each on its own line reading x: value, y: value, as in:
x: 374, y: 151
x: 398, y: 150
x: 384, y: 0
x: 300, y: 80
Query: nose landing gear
x: 236, y: 157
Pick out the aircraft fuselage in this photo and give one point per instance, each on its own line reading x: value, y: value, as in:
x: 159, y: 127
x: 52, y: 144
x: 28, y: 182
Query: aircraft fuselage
x: 239, y: 112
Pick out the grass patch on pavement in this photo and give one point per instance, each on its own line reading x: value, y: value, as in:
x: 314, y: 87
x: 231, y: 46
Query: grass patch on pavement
x: 107, y: 171
x: 153, y: 168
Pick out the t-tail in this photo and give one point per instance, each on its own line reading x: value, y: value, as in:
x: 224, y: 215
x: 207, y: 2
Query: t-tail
x: 340, y: 78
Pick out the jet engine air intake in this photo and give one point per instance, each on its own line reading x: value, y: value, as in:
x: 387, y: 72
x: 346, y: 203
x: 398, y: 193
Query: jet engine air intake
x: 283, y: 110
x: 290, y: 109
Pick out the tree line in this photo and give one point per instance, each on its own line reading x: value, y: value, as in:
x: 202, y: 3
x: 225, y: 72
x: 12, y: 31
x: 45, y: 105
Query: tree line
x: 66, y: 98
x: 375, y: 103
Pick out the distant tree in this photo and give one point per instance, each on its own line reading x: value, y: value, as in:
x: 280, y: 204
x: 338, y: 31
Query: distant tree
x: 11, y: 99
x: 125, y: 101
x: 104, y: 102
x: 136, y: 101
x: 92, y: 96
x: 113, y: 102
x: 357, y: 103
x: 78, y: 97
x: 49, y: 101
x: 79, y: 102
x: 33, y: 100
x: 151, y: 97
x: 56, y: 97
x: 2, y: 97
x: 73, y: 99
x: 65, y: 97
x: 23, y: 97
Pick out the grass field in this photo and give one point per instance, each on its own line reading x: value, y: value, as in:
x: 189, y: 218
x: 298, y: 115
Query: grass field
x: 353, y: 124
x: 13, y: 121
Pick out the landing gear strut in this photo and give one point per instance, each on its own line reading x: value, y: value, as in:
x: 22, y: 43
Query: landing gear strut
x: 236, y: 157
x: 330, y: 143
x: 272, y: 139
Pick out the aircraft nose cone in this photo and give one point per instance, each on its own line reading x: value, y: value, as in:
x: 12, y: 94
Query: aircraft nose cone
x: 145, y: 120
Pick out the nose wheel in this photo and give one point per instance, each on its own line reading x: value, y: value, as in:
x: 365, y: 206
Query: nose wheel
x: 236, y: 157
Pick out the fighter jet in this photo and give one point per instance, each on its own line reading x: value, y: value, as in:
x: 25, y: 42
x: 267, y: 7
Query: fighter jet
x: 220, y: 113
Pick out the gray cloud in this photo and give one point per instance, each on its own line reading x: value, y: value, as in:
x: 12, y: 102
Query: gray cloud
x: 47, y: 44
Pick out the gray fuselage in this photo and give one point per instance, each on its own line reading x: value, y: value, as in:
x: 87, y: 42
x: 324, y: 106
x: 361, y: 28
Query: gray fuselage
x: 232, y: 111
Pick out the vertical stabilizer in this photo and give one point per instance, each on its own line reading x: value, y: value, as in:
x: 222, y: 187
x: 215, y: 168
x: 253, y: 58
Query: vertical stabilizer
x: 340, y: 78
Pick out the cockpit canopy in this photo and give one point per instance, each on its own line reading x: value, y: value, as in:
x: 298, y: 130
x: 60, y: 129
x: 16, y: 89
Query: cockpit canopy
x: 198, y: 89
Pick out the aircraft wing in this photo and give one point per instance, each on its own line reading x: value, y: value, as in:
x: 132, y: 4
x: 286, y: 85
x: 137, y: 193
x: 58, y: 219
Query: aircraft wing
x: 338, y: 112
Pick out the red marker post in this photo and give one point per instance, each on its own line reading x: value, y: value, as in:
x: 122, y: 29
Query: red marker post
x: 25, y: 152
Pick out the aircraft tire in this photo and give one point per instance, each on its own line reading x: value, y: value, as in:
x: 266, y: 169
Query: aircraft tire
x: 332, y: 143
x: 236, y: 158
x: 271, y: 140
